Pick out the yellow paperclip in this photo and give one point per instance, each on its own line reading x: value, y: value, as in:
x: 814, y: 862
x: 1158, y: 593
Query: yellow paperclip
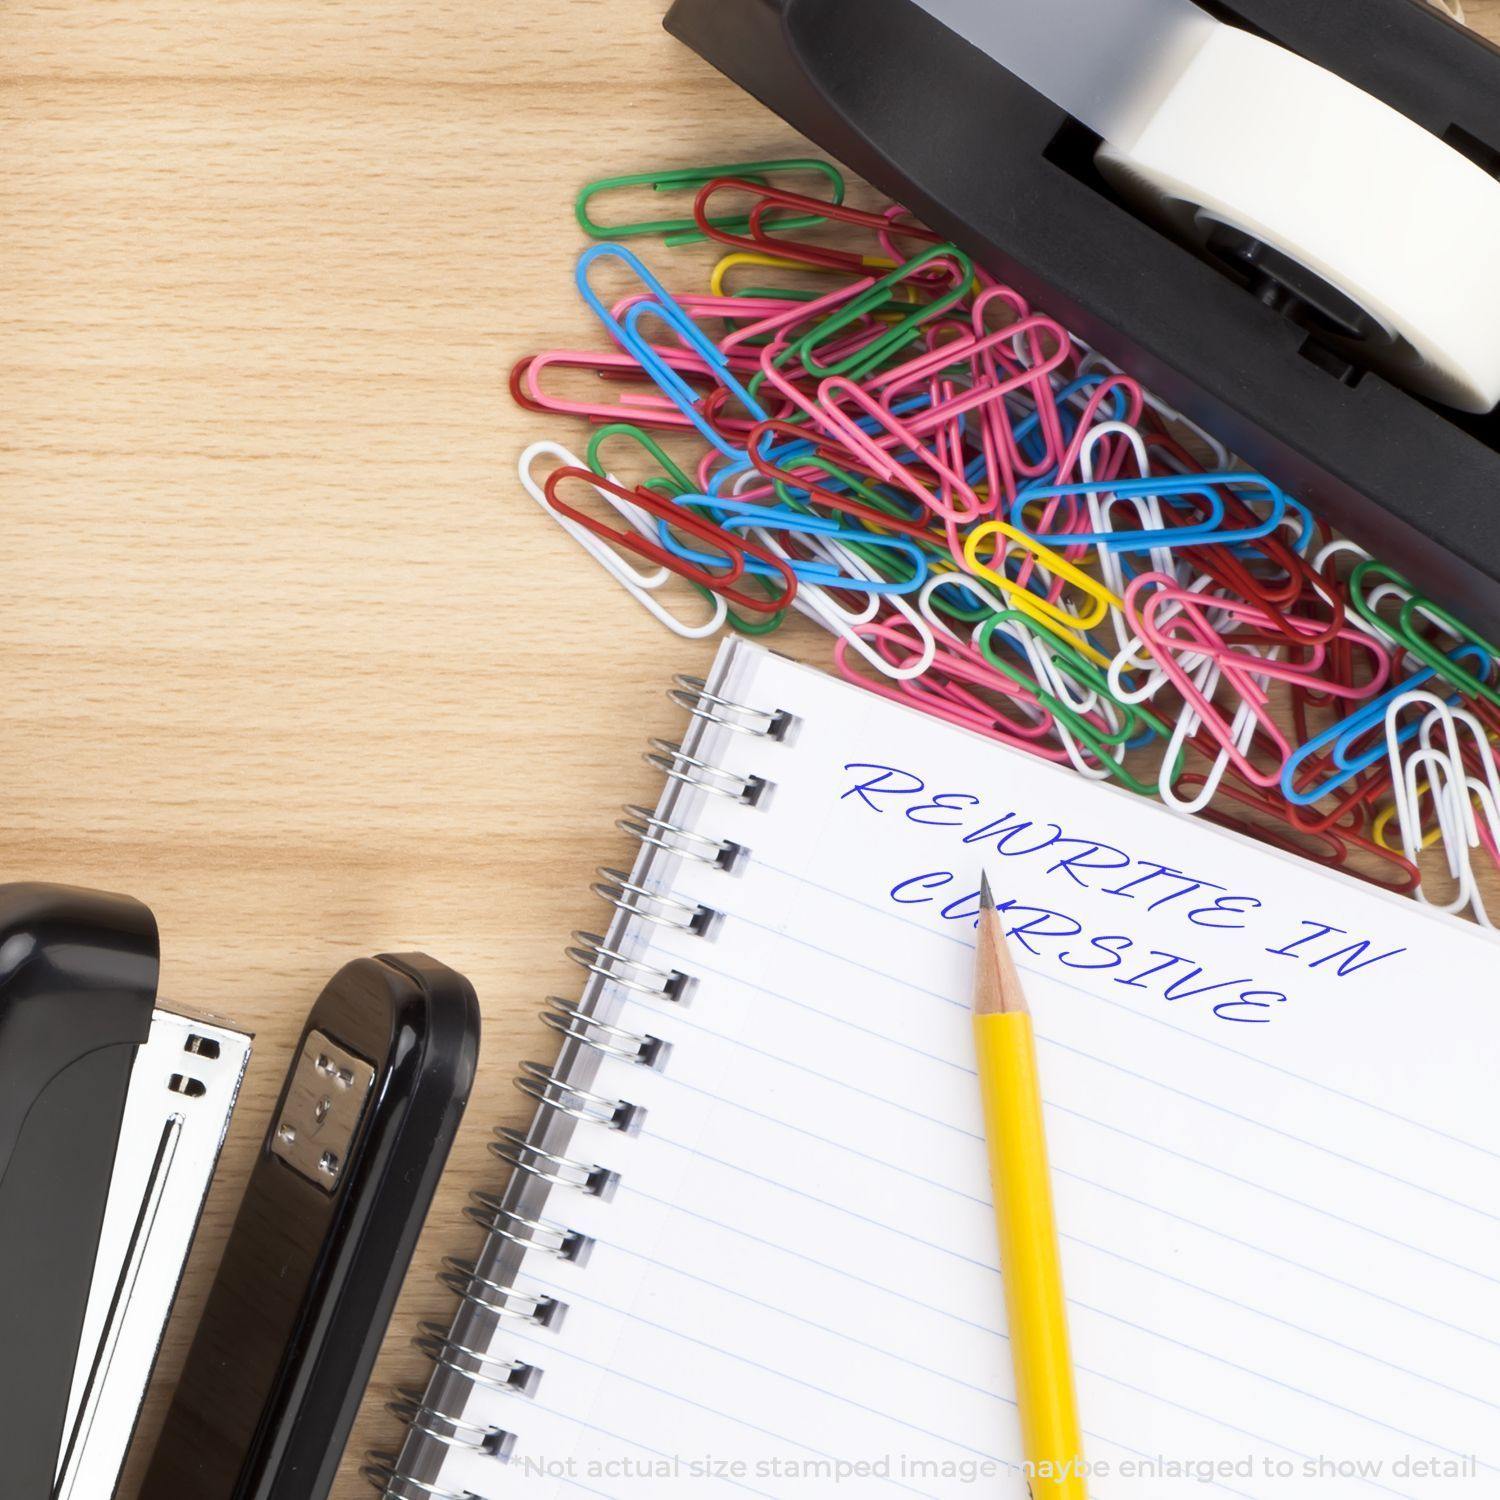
x: 779, y: 263
x: 1053, y: 616
x: 1383, y: 823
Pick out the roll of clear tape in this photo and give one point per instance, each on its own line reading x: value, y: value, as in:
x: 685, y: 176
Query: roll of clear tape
x: 1254, y: 138
x: 1207, y: 126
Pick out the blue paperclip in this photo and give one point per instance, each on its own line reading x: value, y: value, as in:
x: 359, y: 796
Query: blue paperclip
x: 1347, y: 732
x: 739, y: 515
x: 1165, y: 487
x: 628, y: 337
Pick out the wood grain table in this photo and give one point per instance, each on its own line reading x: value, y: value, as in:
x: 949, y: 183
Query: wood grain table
x: 286, y: 653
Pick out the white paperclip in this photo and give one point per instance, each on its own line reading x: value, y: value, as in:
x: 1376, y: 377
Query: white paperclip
x: 1452, y: 789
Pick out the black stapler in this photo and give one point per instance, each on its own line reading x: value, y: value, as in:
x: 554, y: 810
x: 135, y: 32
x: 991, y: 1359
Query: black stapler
x: 111, y: 1118
x: 1244, y: 343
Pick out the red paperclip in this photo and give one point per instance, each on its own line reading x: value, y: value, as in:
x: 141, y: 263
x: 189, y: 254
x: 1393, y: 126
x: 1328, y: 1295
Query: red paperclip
x: 735, y: 548
x: 769, y: 200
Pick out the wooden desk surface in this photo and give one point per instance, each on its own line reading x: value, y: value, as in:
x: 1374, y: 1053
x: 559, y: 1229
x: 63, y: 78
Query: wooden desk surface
x: 287, y: 654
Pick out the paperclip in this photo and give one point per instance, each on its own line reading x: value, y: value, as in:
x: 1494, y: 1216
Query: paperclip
x: 671, y: 473
x: 877, y: 298
x: 981, y: 393
x: 637, y: 583
x: 1206, y: 681
x: 819, y: 605
x: 883, y: 462
x: 654, y: 410
x: 1442, y: 774
x: 1404, y: 631
x: 1166, y: 488
x: 1339, y: 738
x: 870, y: 507
x: 1040, y: 609
x: 685, y: 231
x: 768, y: 200
x: 734, y: 515
x: 1482, y: 759
x: 694, y: 340
x: 1203, y: 639
x: 1106, y: 746
x: 737, y: 553
x: 719, y: 277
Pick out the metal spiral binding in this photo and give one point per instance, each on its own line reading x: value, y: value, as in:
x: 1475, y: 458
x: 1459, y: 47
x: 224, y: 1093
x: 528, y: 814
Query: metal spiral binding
x: 462, y: 1276
x: 451, y: 1432
x: 537, y: 1082
x: 485, y: 1209
x: 482, y: 1369
x: 692, y: 694
x: 506, y: 1377
x: 568, y: 1019
x: 558, y: 1171
x: 643, y: 825
x: 676, y: 764
x: 380, y: 1470
x: 660, y: 910
x: 591, y: 952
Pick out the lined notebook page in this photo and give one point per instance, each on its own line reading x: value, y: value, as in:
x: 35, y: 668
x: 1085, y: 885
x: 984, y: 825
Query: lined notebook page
x: 1272, y: 1118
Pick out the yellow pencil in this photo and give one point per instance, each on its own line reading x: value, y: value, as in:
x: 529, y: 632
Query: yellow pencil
x: 1030, y: 1264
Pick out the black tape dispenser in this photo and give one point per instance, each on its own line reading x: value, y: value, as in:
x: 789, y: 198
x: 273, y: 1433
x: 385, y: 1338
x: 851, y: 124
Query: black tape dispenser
x: 1281, y: 216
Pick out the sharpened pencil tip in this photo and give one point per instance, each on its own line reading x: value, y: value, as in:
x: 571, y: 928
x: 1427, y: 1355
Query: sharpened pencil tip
x: 986, y: 895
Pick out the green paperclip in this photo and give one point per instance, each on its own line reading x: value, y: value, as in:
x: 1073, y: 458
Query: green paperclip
x: 671, y: 471
x: 1086, y: 674
x: 1404, y: 630
x: 901, y: 333
x: 685, y: 179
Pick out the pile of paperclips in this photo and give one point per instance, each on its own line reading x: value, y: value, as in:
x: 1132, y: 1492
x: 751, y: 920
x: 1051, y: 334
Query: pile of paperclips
x: 1000, y: 528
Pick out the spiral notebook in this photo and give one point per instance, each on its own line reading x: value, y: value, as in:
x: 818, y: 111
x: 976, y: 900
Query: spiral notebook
x: 747, y: 1245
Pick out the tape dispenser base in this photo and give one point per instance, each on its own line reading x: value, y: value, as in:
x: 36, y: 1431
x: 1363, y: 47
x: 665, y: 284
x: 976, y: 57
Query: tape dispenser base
x: 1274, y: 358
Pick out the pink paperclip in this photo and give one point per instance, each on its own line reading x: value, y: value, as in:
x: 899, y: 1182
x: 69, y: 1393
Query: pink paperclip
x: 940, y: 691
x: 886, y: 238
x: 879, y: 460
x: 1307, y: 674
x: 637, y: 406
x: 996, y: 419
x: 1243, y: 683
x: 702, y: 308
x: 893, y: 384
x: 778, y: 325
